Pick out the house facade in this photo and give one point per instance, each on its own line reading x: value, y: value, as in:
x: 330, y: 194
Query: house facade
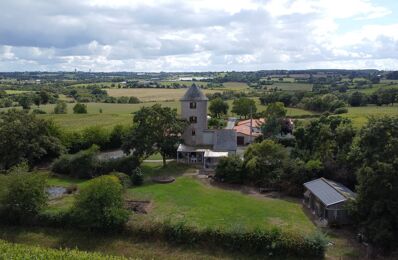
x: 327, y: 200
x: 248, y: 130
x: 202, y: 146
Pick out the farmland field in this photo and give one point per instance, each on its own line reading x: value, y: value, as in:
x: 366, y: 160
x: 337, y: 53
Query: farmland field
x: 292, y: 86
x: 164, y: 94
x: 359, y: 115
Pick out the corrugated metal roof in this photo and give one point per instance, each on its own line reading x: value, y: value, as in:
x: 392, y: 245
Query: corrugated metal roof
x: 194, y: 94
x: 324, y: 191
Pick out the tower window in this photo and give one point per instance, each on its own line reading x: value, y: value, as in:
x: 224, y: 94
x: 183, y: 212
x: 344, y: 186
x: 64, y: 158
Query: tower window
x: 193, y: 132
x: 193, y: 119
x: 192, y: 105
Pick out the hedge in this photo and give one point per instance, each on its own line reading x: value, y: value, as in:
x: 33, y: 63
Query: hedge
x: 86, y: 165
x: 19, y: 251
x: 273, y: 242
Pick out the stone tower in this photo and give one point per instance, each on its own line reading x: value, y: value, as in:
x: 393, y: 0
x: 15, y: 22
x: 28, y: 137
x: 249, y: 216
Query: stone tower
x: 194, y: 110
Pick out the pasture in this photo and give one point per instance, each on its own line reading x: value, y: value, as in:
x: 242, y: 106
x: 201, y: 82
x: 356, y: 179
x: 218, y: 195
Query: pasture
x: 112, y: 114
x: 170, y: 94
x: 360, y: 115
x: 108, y: 115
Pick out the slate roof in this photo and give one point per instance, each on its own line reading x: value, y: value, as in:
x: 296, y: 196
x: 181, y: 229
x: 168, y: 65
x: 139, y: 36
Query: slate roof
x: 194, y: 94
x: 329, y: 192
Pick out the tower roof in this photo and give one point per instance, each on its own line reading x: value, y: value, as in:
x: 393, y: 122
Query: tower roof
x: 194, y: 94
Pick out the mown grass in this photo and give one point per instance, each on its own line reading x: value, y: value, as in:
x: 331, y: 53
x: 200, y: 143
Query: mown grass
x: 197, y: 204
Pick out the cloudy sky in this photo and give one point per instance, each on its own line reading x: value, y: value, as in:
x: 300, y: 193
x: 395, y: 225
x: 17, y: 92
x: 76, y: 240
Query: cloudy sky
x: 197, y: 35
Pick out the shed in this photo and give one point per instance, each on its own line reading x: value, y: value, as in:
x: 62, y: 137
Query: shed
x: 327, y: 200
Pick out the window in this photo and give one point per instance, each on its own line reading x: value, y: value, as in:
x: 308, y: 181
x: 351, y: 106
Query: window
x: 192, y: 105
x: 193, y: 119
x: 193, y: 132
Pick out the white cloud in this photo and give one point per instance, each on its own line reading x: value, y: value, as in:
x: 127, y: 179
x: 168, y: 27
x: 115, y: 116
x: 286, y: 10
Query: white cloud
x: 195, y: 35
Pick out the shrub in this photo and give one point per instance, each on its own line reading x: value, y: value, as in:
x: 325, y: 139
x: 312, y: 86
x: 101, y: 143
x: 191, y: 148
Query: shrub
x: 81, y: 165
x: 61, y: 108
x: 341, y: 110
x: 230, y: 169
x: 38, y: 111
x: 268, y: 243
x: 123, y: 164
x: 123, y: 178
x: 95, y: 135
x: 137, y: 178
x: 25, y: 195
x: 100, y: 205
x: 80, y: 108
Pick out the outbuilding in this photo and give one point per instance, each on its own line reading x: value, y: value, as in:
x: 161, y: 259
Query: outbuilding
x: 327, y: 200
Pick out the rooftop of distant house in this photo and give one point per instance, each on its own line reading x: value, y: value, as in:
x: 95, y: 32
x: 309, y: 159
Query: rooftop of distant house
x: 243, y: 126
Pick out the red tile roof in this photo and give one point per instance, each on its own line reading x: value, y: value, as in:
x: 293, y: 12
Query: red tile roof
x: 243, y: 127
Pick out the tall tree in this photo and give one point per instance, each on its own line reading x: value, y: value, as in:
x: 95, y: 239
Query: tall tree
x: 275, y: 115
x: 156, y: 129
x: 265, y: 162
x: 218, y: 107
x: 26, y: 138
x: 244, y: 106
x: 376, y: 207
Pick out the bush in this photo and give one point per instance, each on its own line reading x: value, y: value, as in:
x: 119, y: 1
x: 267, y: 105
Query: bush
x: 25, y: 195
x: 124, y: 164
x: 137, y: 178
x: 38, y: 111
x: 230, y: 169
x: 61, y: 108
x: 340, y: 110
x: 80, y: 108
x: 82, y: 165
x: 100, y: 205
x: 268, y: 243
x: 123, y: 178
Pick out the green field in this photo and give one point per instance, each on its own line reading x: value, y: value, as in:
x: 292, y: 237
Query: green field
x: 292, y: 86
x: 375, y: 87
x: 112, y: 114
x: 204, y: 206
x: 16, y: 92
x: 359, y: 115
x: 199, y: 204
x: 166, y: 94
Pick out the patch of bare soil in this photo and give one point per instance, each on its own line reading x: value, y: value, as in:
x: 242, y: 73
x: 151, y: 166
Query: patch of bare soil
x: 163, y: 179
x: 138, y: 206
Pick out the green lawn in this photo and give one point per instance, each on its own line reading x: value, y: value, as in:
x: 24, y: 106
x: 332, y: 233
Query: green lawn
x: 198, y: 204
x: 204, y: 206
x: 359, y: 115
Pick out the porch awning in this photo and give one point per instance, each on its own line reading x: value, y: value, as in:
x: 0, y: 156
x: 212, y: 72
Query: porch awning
x: 210, y: 153
x: 189, y: 149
